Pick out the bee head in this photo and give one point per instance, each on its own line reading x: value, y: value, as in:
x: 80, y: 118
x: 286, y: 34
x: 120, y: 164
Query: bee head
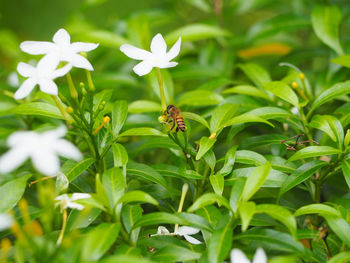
x: 169, y: 108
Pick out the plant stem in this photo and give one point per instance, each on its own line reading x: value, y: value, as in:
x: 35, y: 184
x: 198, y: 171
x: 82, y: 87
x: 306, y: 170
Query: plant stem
x: 183, y: 195
x: 66, y: 116
x: 72, y: 89
x: 161, y: 90
x: 64, y: 224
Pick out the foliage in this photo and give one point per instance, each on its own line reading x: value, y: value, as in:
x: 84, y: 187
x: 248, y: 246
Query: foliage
x: 264, y: 161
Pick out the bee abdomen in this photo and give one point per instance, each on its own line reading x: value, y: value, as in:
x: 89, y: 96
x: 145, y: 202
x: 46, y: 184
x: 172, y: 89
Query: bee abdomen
x: 180, y: 123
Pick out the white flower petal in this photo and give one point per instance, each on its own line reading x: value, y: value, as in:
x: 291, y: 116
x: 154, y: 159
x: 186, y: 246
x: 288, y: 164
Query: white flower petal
x: 237, y: 256
x: 260, y: 256
x: 20, y: 137
x: 67, y: 149
x: 135, y: 53
x: 77, y: 196
x: 46, y: 161
x: 48, y: 64
x: 162, y: 230
x: 143, y: 68
x: 74, y: 205
x: 37, y: 47
x: 83, y: 47
x: 192, y: 240
x: 48, y: 86
x: 158, y: 45
x: 79, y: 61
x: 61, y: 71
x: 187, y: 230
x: 26, y: 87
x: 175, y: 50
x: 61, y: 37
x: 168, y: 65
x: 25, y: 69
x: 6, y: 221
x: 55, y: 134
x: 12, y: 80
x: 62, y: 197
x: 12, y: 159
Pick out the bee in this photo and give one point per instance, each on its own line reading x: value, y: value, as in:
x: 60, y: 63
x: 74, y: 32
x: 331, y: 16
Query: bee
x: 175, y: 114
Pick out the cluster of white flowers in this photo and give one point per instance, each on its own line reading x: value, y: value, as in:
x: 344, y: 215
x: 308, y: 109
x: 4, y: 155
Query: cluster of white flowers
x: 60, y: 50
x: 41, y: 148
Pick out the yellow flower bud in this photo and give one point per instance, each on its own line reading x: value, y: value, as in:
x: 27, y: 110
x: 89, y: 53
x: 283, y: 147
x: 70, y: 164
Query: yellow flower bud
x: 295, y: 85
x: 301, y: 76
x: 69, y: 109
x: 106, y: 119
x: 212, y: 136
x: 162, y: 119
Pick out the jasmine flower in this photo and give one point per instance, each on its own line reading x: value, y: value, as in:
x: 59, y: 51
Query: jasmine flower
x: 237, y: 256
x: 42, y: 148
x: 158, y: 57
x: 6, y: 221
x: 61, y: 49
x: 64, y: 201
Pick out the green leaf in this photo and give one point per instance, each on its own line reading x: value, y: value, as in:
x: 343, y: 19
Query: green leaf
x: 342, y: 60
x: 120, y: 155
x: 36, y: 108
x: 331, y: 126
x: 246, y: 212
x: 279, y: 213
x: 236, y: 192
x: 221, y: 115
x: 178, y: 172
x: 217, y: 182
x: 145, y: 172
x: 313, y: 151
x: 340, y: 227
x: 94, y: 246
x: 250, y: 157
x: 204, y: 145
x: 114, y: 184
x: 104, y: 37
x: 210, y: 159
x: 255, y: 180
x: 230, y: 158
x: 79, y: 168
x: 125, y: 259
x: 137, y: 196
x: 141, y: 106
x: 130, y: 214
x: 342, y: 257
x: 257, y: 74
x: 196, y: 221
x: 323, y: 210
x: 280, y: 241
x: 301, y: 174
x: 194, y: 32
x: 345, y: 166
x: 283, y: 91
x: 247, y: 90
x: 336, y: 90
x: 195, y: 117
x: 11, y: 192
x: 219, y: 244
x: 158, y: 218
x: 142, y: 132
x: 208, y: 199
x: 325, y: 22
x: 199, y: 98
x: 101, y: 193
x: 245, y: 118
x: 173, y: 253
x: 119, y: 114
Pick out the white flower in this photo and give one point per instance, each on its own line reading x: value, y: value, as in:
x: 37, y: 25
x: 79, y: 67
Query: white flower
x: 158, y: 57
x: 65, y: 201
x: 42, y: 148
x: 237, y: 256
x: 43, y: 75
x: 186, y: 231
x: 12, y: 79
x: 62, y: 49
x: 6, y: 221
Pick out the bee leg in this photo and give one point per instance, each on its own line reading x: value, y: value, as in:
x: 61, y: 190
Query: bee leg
x: 177, y: 128
x: 173, y: 125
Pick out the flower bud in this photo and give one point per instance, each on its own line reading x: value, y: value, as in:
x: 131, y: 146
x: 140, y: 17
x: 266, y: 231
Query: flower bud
x: 69, y: 109
x: 302, y: 76
x: 162, y: 118
x: 212, y: 136
x: 295, y: 85
x: 62, y: 182
x: 106, y: 119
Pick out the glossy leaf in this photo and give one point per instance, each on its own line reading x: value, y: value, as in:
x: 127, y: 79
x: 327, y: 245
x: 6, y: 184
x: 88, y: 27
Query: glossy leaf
x: 137, y: 196
x: 283, y: 91
x: 119, y: 114
x: 256, y: 73
x: 79, y: 168
x: 221, y: 115
x: 36, y: 108
x: 142, y: 132
x: 204, y: 146
x: 321, y: 209
x: 217, y: 182
x: 208, y: 199
x: 313, y: 151
x: 246, y: 212
x: 219, y: 244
